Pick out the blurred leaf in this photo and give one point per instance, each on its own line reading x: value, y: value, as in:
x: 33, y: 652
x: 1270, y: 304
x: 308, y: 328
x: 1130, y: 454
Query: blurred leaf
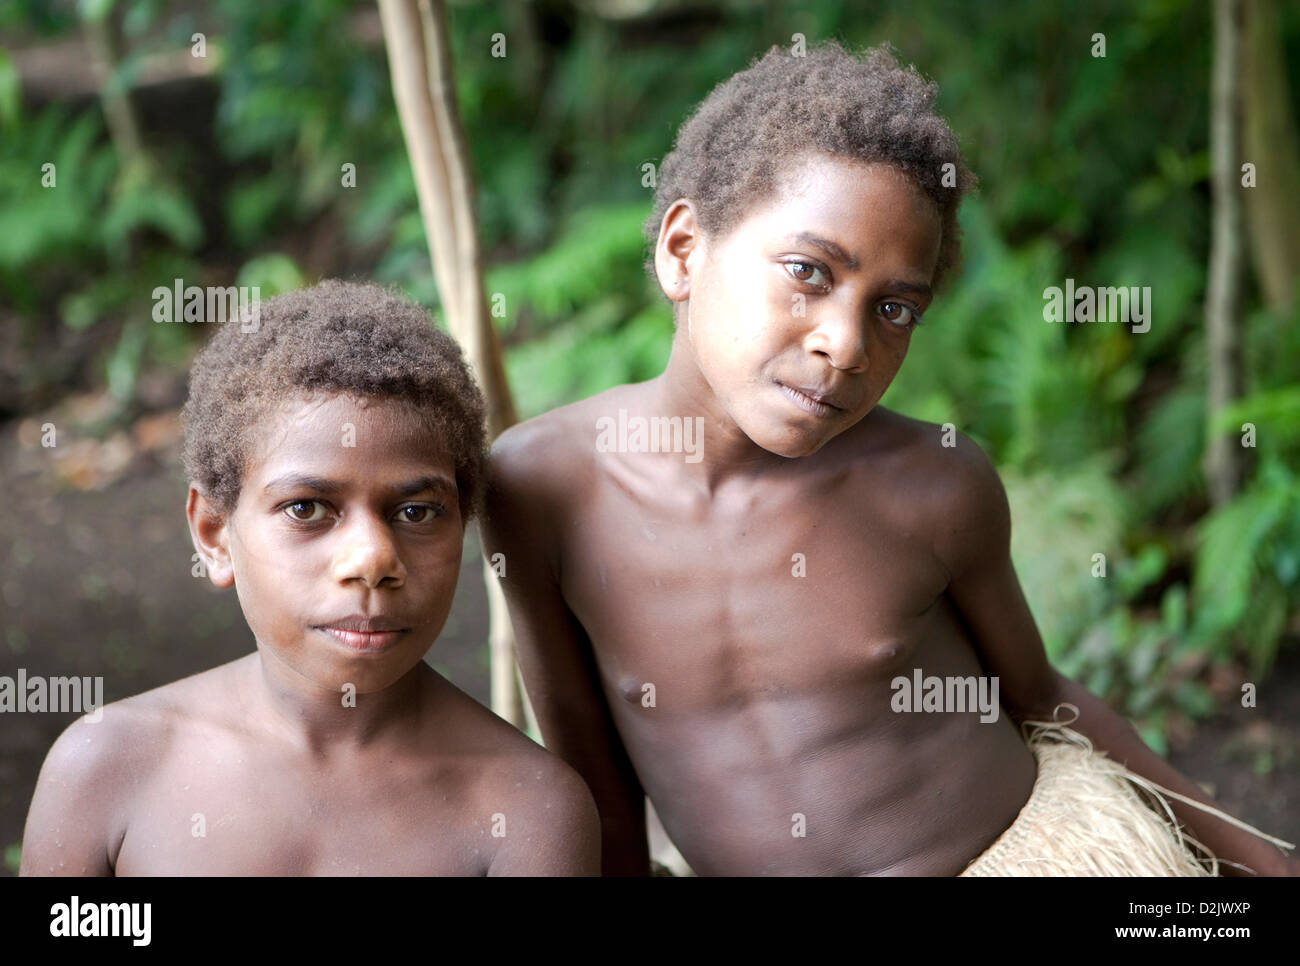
x: 1133, y: 576
x: 600, y: 244
x: 152, y: 205
x: 10, y: 90
x: 1058, y: 523
x: 1170, y: 444
x: 80, y: 310
x: 252, y: 208
x: 1152, y: 732
x: 1173, y: 610
x: 95, y: 11
x: 1263, y: 763
x: 1231, y: 539
x: 1275, y: 411
x: 124, y: 361
x: 1194, y: 699
x: 272, y: 273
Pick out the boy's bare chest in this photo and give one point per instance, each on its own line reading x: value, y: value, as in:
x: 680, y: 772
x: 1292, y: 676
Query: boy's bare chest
x: 212, y: 813
x: 792, y: 592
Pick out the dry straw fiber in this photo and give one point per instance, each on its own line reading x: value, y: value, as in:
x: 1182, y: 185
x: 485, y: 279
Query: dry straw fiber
x: 1090, y: 816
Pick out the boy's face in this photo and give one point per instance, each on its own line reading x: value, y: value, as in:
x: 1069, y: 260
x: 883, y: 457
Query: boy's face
x: 800, y: 317
x: 348, y: 512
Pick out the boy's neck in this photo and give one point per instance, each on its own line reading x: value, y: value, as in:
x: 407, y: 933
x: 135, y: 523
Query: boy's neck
x: 727, y: 454
x: 320, y: 721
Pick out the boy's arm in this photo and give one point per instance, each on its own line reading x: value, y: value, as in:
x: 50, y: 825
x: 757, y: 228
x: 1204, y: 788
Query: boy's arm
x: 70, y: 823
x: 555, y: 656
x: 976, y: 547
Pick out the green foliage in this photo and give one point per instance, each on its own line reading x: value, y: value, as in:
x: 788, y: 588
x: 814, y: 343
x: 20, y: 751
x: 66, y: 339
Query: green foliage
x: 1058, y: 523
x: 10, y: 92
x: 148, y: 204
x: 1170, y: 444
x: 271, y: 274
x: 590, y: 354
x: 40, y: 224
x: 1248, y: 562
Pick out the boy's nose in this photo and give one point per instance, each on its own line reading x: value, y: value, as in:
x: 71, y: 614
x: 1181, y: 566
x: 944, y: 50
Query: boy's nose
x: 369, y: 554
x: 841, y: 342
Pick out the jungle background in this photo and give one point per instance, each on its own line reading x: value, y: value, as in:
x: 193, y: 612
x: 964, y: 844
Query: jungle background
x: 226, y: 168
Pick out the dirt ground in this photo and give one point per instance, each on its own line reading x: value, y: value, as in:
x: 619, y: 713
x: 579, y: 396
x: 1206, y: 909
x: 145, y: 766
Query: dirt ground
x: 95, y: 579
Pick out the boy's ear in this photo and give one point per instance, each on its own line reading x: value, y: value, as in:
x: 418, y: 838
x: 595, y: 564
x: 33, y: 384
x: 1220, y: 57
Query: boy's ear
x: 211, y: 536
x: 679, y: 236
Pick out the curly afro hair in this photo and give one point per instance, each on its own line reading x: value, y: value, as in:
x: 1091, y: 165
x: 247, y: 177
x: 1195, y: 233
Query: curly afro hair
x: 754, y: 128
x: 335, y: 337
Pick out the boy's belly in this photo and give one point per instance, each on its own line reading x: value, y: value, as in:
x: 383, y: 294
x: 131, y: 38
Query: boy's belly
x: 759, y: 713
x: 810, y: 785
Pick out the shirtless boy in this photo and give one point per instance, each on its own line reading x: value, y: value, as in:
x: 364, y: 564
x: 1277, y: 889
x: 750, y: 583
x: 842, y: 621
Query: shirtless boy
x: 718, y: 630
x: 335, y: 454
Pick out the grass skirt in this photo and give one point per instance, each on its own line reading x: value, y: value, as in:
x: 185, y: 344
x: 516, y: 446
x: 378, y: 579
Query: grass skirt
x: 1090, y: 816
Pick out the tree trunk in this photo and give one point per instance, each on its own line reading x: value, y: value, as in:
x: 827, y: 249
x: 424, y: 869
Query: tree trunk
x: 423, y: 86
x: 1272, y: 145
x: 1223, y: 457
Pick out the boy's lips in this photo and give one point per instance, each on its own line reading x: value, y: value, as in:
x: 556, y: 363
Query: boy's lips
x: 813, y: 400
x: 361, y: 633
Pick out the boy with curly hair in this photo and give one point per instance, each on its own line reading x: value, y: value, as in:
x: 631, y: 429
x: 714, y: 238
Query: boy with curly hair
x: 335, y: 453
x: 804, y: 640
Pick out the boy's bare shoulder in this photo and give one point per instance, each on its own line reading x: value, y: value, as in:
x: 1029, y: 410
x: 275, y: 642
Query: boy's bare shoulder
x: 557, y: 447
x: 510, y: 775
x: 952, y: 489
x: 534, y: 812
x: 133, y: 735
x: 86, y: 782
x: 506, y: 762
x: 940, y: 449
x: 541, y: 469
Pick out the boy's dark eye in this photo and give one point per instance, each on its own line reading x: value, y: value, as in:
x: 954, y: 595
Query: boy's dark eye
x: 899, y: 313
x: 305, y: 511
x: 805, y: 271
x: 417, y: 513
